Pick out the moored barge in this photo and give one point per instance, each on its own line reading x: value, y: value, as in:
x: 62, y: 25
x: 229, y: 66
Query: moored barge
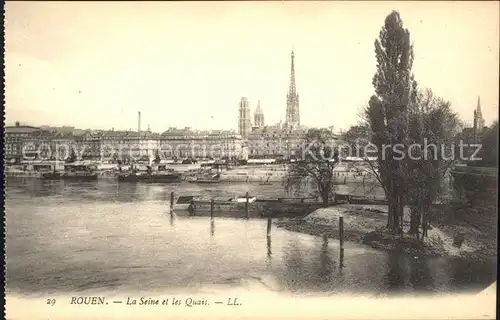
x: 78, y: 172
x: 240, y: 207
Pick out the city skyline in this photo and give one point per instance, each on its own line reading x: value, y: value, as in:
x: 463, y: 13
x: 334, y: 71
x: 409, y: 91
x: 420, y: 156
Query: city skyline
x: 195, y: 76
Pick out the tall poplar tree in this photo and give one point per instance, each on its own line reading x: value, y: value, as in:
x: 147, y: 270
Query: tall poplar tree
x: 387, y: 112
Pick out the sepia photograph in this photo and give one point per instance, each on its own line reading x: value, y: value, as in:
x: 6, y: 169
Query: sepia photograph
x: 267, y: 159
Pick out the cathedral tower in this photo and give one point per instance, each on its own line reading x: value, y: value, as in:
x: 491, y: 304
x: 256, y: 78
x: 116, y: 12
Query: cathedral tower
x: 258, y: 118
x: 244, y: 120
x: 292, y: 101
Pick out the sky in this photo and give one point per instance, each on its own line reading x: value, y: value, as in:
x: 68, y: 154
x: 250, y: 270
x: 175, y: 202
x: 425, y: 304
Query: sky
x: 187, y: 64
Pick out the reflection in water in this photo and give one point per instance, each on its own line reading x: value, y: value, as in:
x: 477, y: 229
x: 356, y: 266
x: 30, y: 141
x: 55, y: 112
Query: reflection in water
x: 341, y: 260
x: 212, y: 227
x: 395, y: 279
x: 294, y: 266
x: 471, y: 274
x: 326, y: 263
x: 127, y: 192
x: 420, y: 273
x: 35, y: 187
x: 172, y: 215
x: 269, y: 253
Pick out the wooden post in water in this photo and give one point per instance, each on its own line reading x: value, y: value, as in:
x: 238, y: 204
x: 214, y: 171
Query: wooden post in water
x: 193, y: 207
x: 269, y: 253
x: 341, y: 232
x: 269, y: 224
x: 171, y: 201
x: 246, y: 205
x: 341, y: 262
x: 212, y: 209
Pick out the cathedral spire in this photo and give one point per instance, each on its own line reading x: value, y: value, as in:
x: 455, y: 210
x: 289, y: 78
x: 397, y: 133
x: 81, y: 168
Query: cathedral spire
x: 292, y: 103
x: 478, y: 116
x: 292, y: 88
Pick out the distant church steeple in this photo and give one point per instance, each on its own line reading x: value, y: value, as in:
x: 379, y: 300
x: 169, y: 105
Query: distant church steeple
x: 258, y: 118
x: 292, y: 100
x: 479, y: 116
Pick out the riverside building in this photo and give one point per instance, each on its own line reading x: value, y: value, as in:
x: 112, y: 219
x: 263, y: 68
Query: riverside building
x: 15, y: 138
x: 195, y: 144
x: 129, y: 145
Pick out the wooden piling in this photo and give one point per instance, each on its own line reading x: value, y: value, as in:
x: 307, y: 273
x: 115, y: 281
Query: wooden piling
x: 193, y: 207
x: 212, y: 209
x: 269, y: 224
x: 246, y: 205
x: 171, y: 201
x: 341, y: 232
x: 269, y: 253
x: 341, y: 262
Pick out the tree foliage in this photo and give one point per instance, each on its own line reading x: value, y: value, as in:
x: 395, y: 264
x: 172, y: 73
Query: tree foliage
x: 413, y: 130
x: 488, y: 154
x: 433, y: 128
x: 72, y: 156
x: 157, y: 158
x: 316, y: 160
x: 387, y: 111
x: 357, y: 138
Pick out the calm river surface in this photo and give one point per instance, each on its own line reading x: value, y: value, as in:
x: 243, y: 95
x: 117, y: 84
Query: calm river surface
x: 66, y: 237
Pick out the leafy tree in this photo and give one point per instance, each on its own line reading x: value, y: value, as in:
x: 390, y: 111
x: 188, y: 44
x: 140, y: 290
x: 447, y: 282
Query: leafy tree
x: 413, y: 131
x: 316, y: 163
x: 357, y: 138
x: 72, y: 156
x: 157, y: 159
x: 395, y: 89
x: 489, y: 147
x: 433, y: 128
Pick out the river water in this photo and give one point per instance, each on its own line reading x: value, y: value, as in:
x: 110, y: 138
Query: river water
x: 66, y: 237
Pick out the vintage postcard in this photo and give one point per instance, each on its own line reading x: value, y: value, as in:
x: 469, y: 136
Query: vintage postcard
x: 223, y: 160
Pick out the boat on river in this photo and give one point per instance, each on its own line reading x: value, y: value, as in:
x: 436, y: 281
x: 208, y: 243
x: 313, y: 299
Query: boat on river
x: 205, y: 179
x: 265, y: 183
x: 197, y: 206
x: 72, y: 171
x: 237, y: 207
x: 346, y: 197
x: 150, y: 176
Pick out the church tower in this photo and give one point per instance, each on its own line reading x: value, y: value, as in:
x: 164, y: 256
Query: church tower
x: 479, y: 117
x: 244, y: 120
x: 258, y: 118
x: 292, y: 101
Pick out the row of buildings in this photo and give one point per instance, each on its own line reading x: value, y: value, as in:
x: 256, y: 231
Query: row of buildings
x: 27, y: 142
x: 254, y: 139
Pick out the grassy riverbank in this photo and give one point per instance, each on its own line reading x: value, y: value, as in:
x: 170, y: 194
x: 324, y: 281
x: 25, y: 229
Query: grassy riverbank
x: 365, y: 224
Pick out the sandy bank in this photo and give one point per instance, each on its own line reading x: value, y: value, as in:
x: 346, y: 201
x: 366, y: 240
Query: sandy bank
x: 365, y: 224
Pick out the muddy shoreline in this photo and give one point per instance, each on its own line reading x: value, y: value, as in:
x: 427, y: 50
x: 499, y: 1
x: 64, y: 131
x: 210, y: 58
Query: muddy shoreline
x: 366, y: 225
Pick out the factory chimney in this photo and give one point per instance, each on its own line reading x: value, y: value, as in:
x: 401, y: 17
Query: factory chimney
x: 139, y: 122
